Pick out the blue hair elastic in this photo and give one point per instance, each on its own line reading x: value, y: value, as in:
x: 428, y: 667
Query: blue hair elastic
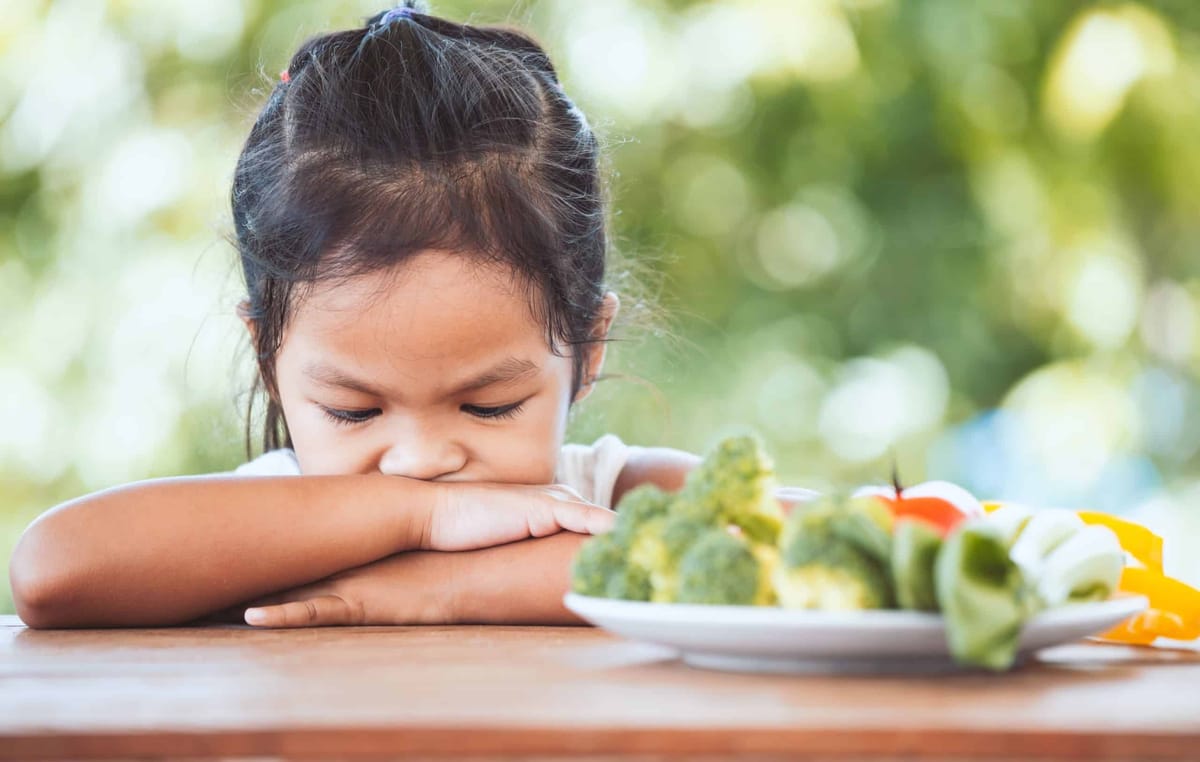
x: 399, y: 12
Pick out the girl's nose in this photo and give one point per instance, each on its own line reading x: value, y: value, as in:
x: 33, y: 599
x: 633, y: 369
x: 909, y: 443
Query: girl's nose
x: 422, y: 456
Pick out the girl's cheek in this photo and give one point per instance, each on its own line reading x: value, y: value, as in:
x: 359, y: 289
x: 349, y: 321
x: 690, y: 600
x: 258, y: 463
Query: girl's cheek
x: 525, y: 454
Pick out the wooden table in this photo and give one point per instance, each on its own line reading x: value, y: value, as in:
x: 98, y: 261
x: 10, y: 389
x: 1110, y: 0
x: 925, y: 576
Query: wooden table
x: 556, y: 693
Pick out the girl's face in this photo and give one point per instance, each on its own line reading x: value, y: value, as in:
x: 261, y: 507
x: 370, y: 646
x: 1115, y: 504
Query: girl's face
x: 435, y: 370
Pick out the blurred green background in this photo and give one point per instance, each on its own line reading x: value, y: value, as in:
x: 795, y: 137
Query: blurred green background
x: 965, y: 233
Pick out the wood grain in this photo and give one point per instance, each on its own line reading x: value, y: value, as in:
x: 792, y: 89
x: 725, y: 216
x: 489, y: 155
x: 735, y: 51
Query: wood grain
x: 226, y: 691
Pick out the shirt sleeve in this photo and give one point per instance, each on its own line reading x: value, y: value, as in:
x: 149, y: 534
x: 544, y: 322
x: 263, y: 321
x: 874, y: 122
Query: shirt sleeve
x: 281, y: 462
x: 592, y: 470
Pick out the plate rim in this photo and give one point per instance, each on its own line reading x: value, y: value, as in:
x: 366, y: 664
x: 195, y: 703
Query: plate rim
x: 866, y: 619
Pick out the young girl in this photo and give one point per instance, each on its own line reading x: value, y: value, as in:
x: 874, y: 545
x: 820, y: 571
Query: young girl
x: 420, y: 221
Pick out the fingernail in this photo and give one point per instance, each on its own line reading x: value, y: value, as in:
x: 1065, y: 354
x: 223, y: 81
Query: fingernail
x: 255, y: 616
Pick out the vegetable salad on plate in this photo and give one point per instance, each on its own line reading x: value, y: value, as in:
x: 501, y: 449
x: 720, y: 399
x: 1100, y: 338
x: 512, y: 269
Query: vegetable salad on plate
x: 725, y: 539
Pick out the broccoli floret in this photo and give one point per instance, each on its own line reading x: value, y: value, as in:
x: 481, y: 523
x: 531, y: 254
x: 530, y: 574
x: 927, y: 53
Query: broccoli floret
x: 630, y: 583
x: 640, y: 518
x: 733, y: 490
x: 768, y: 562
x: 825, y: 574
x: 601, y: 559
x: 832, y: 558
x: 867, y: 524
x: 646, y: 548
x: 601, y: 569
x: 640, y: 506
x: 863, y: 523
x: 915, y: 547
x: 659, y: 546
x: 722, y: 569
x: 735, y: 484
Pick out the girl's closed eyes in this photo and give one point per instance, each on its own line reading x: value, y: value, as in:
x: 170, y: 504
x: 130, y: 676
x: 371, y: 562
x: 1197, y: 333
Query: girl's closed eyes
x: 362, y: 416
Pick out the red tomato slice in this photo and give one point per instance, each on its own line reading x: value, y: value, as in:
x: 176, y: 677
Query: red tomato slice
x: 934, y: 511
x: 942, y: 505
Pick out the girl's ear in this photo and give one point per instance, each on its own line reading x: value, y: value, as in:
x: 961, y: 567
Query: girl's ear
x: 609, y: 306
x: 243, y: 312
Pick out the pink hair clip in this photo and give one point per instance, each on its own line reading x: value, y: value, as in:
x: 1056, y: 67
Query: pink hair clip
x: 284, y: 77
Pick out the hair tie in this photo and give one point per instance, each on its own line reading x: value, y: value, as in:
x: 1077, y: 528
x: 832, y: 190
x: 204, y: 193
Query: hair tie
x: 284, y: 77
x: 399, y: 12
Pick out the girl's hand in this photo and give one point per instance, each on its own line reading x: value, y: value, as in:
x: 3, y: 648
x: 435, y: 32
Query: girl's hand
x: 404, y: 589
x: 417, y: 587
x: 470, y: 515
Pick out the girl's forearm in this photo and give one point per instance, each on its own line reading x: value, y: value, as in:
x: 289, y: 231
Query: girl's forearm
x: 170, y: 550
x: 519, y: 583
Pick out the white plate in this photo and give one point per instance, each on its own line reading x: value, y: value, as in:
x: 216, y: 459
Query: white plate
x: 769, y: 639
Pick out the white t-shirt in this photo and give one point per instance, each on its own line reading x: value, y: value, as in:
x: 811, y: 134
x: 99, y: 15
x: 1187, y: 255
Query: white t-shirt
x: 591, y: 470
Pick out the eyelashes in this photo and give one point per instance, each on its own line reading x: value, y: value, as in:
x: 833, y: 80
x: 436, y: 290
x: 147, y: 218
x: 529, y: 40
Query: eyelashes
x: 504, y: 411
x: 349, y: 417
x: 353, y: 417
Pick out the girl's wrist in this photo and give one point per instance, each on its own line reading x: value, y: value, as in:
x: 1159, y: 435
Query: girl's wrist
x: 412, y: 503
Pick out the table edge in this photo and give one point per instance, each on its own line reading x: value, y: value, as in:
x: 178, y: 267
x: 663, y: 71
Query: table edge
x: 403, y: 741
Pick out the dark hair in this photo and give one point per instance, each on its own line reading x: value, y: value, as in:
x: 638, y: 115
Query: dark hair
x: 417, y: 133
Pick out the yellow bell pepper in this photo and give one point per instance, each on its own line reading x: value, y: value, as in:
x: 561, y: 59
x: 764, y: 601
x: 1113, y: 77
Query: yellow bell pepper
x: 1174, y: 610
x: 1136, y: 540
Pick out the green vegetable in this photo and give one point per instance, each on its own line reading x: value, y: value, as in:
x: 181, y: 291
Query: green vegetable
x: 735, y: 484
x: 980, y: 591
x: 832, y: 579
x: 1084, y: 567
x: 1010, y: 519
x: 834, y: 557
x: 863, y: 523
x: 915, y: 546
x: 598, y: 561
x: 1042, y: 533
x: 867, y: 524
x: 659, y: 548
x: 640, y: 506
x: 602, y: 569
x: 723, y: 569
x: 1063, y: 559
x: 630, y: 583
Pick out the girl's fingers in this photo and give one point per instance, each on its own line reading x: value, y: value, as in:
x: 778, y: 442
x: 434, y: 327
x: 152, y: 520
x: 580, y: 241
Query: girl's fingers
x: 322, y: 611
x: 480, y: 516
x: 583, y: 518
x: 571, y: 512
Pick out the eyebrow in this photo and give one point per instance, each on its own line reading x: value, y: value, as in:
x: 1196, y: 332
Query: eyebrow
x: 507, y: 371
